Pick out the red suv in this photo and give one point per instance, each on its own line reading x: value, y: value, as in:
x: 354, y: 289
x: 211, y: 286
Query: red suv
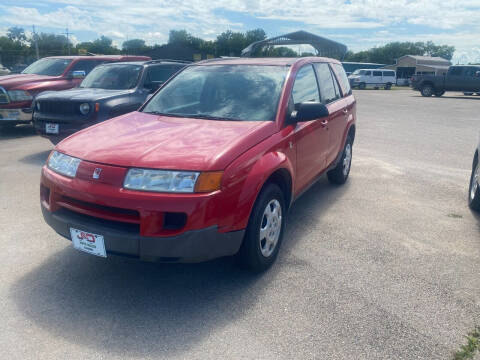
x: 51, y: 73
x: 209, y: 166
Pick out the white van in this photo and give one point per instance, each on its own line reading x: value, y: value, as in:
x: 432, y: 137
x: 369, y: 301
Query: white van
x: 376, y: 78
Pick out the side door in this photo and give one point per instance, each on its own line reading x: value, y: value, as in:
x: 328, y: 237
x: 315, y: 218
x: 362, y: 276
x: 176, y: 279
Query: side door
x: 311, y: 137
x: 377, y: 78
x: 471, y: 80
x: 455, y: 79
x: 367, y: 77
x: 331, y: 97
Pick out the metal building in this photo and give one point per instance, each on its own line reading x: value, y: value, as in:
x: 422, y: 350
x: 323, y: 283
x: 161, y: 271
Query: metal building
x: 323, y: 46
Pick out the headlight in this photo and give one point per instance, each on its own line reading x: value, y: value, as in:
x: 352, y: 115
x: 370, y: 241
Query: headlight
x: 63, y: 164
x: 161, y: 180
x: 84, y: 108
x: 19, y: 95
x: 172, y: 181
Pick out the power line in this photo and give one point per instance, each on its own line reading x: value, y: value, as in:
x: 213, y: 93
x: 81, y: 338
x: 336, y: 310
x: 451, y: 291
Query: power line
x: 68, y: 42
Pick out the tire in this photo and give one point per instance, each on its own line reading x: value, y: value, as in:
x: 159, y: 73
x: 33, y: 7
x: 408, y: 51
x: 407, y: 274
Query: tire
x: 427, y: 90
x: 339, y: 174
x: 439, y: 93
x: 8, y: 127
x: 474, y: 188
x: 468, y: 93
x: 388, y: 86
x: 362, y: 86
x: 257, y: 254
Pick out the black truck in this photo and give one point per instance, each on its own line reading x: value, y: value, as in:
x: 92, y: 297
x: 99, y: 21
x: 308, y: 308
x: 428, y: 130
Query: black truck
x: 109, y: 90
x: 464, y: 78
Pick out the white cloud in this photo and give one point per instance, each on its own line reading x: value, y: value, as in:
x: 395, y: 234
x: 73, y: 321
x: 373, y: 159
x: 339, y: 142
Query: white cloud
x: 383, y: 21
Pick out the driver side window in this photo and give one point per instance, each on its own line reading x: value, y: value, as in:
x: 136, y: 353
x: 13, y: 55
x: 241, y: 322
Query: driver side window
x: 305, y: 88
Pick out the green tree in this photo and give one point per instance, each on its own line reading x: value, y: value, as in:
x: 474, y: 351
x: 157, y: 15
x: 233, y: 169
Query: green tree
x: 102, y: 46
x: 16, y: 34
x: 135, y: 47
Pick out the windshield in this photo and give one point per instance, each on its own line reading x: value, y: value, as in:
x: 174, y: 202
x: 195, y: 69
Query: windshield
x: 222, y: 92
x: 50, y: 67
x: 113, y: 77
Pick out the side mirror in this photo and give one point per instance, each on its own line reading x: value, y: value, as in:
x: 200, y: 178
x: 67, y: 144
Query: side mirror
x: 78, y: 74
x: 307, y: 111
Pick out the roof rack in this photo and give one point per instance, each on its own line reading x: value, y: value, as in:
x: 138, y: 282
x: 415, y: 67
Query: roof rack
x: 167, y: 60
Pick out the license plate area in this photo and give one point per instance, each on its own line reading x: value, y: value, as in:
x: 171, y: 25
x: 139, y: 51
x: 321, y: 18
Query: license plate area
x: 51, y: 128
x: 88, y: 242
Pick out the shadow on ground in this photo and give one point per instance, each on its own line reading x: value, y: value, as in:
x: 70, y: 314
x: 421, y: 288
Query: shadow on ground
x: 143, y: 309
x: 36, y: 159
x: 16, y: 132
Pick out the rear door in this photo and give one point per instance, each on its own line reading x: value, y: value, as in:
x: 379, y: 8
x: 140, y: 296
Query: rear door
x: 331, y: 97
x: 455, y: 79
x: 377, y: 77
x: 472, y: 81
x: 311, y: 137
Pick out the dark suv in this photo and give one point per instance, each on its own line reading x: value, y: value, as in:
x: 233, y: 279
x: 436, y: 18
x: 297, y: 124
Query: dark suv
x: 109, y: 90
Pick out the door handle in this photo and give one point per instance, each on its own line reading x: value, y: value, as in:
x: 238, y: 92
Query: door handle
x: 345, y: 111
x: 324, y: 123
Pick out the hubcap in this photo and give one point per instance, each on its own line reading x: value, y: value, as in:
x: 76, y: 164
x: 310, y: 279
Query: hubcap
x: 347, y: 160
x: 427, y: 90
x: 475, y: 179
x: 270, y: 227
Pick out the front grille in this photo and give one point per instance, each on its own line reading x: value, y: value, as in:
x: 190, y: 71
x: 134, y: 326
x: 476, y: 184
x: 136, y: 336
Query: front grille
x: 59, y: 107
x: 3, y: 96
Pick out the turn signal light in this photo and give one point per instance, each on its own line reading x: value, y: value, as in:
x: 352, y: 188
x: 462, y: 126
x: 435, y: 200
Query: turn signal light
x: 97, y: 107
x: 209, y: 181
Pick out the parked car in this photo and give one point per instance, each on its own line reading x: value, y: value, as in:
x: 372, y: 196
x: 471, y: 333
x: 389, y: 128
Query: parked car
x: 50, y: 73
x: 17, y: 68
x: 474, y: 188
x: 4, y: 70
x: 464, y: 78
x: 109, y: 90
x: 363, y: 78
x: 209, y: 166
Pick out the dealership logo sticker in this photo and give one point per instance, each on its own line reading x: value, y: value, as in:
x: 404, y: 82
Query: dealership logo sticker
x: 96, y: 173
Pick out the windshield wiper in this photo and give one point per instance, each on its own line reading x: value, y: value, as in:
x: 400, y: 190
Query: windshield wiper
x: 209, y: 117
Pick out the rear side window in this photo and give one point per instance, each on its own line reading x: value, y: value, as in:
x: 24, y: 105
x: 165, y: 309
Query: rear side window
x: 342, y: 79
x: 161, y: 73
x: 377, y: 73
x: 455, y: 71
x: 368, y: 73
x: 389, y: 73
x: 326, y: 83
x: 305, y: 88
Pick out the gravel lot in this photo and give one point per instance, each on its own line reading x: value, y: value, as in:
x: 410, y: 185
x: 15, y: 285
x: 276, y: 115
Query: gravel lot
x: 385, y: 267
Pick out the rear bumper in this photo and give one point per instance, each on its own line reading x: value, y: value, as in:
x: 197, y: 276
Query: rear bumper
x: 190, y: 246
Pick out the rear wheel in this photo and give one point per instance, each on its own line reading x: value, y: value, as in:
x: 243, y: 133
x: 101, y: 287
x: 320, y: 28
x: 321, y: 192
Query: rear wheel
x: 362, y: 86
x: 468, y: 93
x: 427, y: 90
x: 474, y: 189
x: 6, y: 127
x: 340, y: 173
x: 388, y: 86
x: 264, y: 231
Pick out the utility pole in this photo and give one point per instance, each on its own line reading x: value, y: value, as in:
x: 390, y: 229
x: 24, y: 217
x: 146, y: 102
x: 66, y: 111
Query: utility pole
x: 35, y: 40
x: 68, y: 42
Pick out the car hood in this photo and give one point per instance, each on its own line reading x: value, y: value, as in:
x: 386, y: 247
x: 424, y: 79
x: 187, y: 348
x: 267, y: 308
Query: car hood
x: 152, y: 141
x: 13, y: 81
x: 81, y: 94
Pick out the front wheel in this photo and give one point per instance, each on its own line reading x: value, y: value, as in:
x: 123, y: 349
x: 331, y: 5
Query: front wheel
x: 439, y: 93
x: 264, y: 231
x: 427, y: 90
x: 388, y: 86
x: 362, y: 86
x: 474, y: 189
x: 468, y: 93
x: 339, y: 174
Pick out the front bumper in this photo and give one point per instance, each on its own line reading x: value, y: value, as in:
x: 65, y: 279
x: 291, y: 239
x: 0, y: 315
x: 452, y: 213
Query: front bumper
x: 15, y: 116
x: 65, y: 128
x: 190, y: 246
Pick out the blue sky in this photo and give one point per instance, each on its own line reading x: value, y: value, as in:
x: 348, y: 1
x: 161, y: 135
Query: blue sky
x: 360, y: 24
